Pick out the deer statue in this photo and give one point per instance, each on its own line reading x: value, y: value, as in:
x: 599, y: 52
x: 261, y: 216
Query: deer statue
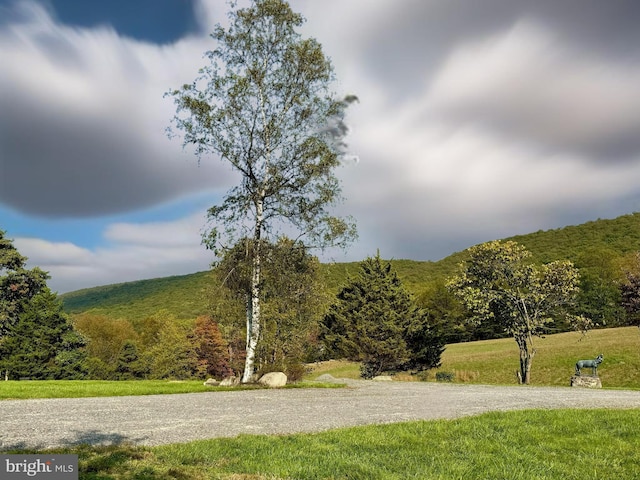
x: 593, y: 364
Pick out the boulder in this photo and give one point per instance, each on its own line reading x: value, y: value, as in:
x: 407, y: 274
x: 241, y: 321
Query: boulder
x: 273, y: 379
x: 383, y: 378
x: 211, y: 382
x: 231, y: 381
x: 586, y: 381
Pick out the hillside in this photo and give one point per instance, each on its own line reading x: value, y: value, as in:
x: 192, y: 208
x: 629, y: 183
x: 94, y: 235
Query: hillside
x: 185, y: 295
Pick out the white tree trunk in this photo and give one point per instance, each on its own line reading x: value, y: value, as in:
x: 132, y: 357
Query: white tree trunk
x: 253, y: 307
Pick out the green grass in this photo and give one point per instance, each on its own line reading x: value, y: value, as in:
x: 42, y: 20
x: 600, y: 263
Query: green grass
x: 495, y: 362
x: 28, y: 389
x: 25, y: 389
x: 533, y: 444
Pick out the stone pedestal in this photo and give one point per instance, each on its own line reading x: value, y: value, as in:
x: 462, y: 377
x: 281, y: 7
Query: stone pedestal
x: 586, y: 381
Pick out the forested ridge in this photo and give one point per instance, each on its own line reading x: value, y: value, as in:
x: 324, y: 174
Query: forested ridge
x: 185, y: 296
x: 389, y: 315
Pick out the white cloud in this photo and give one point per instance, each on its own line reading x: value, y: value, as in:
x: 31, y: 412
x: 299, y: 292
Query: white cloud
x: 526, y: 83
x: 469, y: 128
x: 132, y: 252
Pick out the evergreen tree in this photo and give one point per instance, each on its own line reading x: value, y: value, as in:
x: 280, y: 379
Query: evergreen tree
x: 129, y: 364
x: 41, y: 343
x: 37, y: 339
x: 376, y: 321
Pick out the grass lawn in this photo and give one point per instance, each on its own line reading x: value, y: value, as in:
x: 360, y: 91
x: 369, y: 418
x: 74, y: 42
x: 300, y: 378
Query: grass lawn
x: 26, y: 389
x: 534, y: 444
x: 495, y: 362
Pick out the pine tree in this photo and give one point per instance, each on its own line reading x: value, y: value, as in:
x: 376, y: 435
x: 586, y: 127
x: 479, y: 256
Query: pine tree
x: 41, y: 343
x: 129, y: 364
x: 376, y: 321
x: 37, y: 339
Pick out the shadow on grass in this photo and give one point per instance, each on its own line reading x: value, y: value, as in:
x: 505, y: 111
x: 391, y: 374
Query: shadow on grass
x: 91, y: 438
x: 103, y: 455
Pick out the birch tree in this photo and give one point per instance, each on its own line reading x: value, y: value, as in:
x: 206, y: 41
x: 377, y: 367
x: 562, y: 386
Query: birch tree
x: 498, y: 281
x: 264, y: 104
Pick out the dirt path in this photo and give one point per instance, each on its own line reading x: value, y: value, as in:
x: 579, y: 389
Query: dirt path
x: 162, y: 419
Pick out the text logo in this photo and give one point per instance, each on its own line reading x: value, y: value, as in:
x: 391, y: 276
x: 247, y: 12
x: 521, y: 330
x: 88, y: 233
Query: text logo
x: 45, y: 467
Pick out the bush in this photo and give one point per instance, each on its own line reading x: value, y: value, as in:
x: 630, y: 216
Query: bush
x: 369, y: 370
x: 445, y: 376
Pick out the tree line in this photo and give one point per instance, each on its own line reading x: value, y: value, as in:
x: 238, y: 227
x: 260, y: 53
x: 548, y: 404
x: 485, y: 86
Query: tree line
x: 372, y: 319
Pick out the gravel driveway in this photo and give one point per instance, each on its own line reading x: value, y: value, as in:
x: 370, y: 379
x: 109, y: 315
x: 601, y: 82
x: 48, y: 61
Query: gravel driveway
x: 161, y: 419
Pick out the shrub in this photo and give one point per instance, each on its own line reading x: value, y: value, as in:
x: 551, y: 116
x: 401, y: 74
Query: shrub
x: 445, y: 376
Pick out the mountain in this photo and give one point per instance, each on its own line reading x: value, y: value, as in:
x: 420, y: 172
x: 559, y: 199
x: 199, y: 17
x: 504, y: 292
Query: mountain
x: 186, y: 296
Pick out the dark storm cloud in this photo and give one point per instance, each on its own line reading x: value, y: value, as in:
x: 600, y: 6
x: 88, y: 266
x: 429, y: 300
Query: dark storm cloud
x: 56, y: 163
x: 82, y: 121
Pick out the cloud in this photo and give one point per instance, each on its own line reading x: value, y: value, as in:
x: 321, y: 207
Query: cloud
x: 82, y: 130
x: 524, y: 83
x: 476, y: 121
x: 130, y: 252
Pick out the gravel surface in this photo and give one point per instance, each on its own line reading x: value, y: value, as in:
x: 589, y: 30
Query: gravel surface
x: 162, y: 419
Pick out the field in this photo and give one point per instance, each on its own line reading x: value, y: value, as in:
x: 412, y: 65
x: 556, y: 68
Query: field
x: 495, y: 362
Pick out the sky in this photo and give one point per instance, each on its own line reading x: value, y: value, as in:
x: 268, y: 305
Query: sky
x: 476, y: 121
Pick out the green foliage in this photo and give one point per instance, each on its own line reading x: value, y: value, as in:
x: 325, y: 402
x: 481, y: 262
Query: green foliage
x: 293, y: 301
x: 630, y: 291
x: 41, y: 344
x: 445, y: 376
x: 188, y: 296
x: 129, y: 365
x: 264, y: 104
x: 182, y: 295
x: 18, y: 285
x: 105, y: 339
x: 499, y: 281
x: 173, y: 354
x: 375, y: 320
x: 36, y: 338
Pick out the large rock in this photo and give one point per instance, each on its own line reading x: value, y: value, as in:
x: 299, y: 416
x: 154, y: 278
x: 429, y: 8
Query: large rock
x: 273, y: 379
x: 586, y: 381
x: 231, y: 381
x: 211, y: 382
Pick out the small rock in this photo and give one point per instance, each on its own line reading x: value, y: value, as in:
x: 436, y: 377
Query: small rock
x: 273, y: 379
x: 211, y: 382
x: 231, y: 381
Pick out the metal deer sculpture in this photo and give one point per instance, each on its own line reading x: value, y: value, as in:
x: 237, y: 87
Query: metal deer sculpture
x: 593, y: 364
